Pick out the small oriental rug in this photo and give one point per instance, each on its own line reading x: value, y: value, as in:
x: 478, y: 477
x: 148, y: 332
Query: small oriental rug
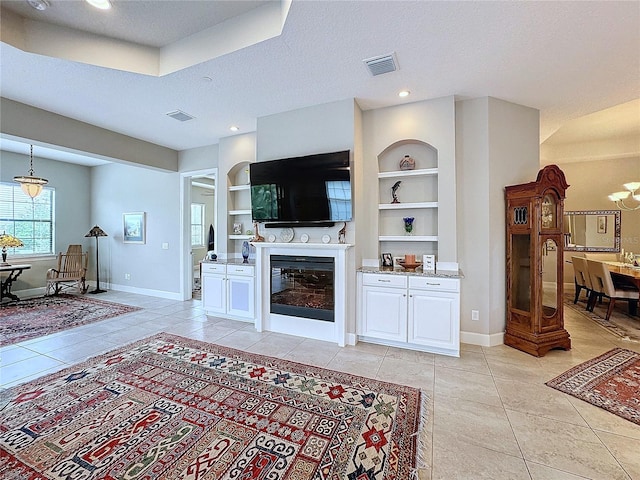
x: 168, y: 407
x: 37, y: 317
x: 610, y: 381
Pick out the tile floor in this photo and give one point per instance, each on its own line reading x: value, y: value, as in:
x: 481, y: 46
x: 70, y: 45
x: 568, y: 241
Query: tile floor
x: 491, y: 416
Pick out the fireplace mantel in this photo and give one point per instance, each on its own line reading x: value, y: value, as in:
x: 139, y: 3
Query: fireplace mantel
x: 344, y: 288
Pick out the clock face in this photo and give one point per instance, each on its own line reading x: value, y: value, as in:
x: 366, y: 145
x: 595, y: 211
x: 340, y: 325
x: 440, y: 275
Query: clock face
x: 548, y: 212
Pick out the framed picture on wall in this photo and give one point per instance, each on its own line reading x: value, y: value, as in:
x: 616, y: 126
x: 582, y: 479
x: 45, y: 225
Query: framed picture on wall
x: 134, y: 227
x: 602, y: 223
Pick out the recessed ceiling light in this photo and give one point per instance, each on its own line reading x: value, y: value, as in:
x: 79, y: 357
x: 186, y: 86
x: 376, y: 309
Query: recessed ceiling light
x: 39, y: 4
x: 234, y: 128
x: 101, y: 4
x: 404, y: 93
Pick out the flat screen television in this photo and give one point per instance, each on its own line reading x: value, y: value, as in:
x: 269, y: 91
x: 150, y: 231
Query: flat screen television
x: 313, y: 190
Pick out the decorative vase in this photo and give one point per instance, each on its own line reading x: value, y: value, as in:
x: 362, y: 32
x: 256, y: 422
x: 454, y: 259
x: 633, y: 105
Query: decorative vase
x: 407, y: 163
x: 408, y: 225
x: 245, y: 252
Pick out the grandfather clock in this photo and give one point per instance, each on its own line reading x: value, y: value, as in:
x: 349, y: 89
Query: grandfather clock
x: 535, y: 243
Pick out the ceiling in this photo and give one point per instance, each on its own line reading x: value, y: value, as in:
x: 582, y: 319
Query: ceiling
x: 566, y: 59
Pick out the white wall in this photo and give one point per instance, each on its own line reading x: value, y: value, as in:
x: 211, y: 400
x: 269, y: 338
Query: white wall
x: 497, y: 145
x: 72, y: 184
x: 118, y: 189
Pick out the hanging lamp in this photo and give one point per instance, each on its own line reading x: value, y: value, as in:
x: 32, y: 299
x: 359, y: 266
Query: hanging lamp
x: 31, y: 185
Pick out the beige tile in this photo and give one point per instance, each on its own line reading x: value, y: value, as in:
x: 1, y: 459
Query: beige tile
x: 313, y: 352
x: 356, y: 363
x: 542, y: 472
x: 400, y: 371
x: 564, y: 446
x: 469, y: 361
x: 467, y: 347
x: 454, y: 383
x: 241, y: 339
x: 372, y: 348
x: 530, y: 372
x: 602, y: 420
x: 538, y: 400
x: 510, y: 355
x: 474, y: 423
x: 275, y: 345
x: 458, y: 460
x: 413, y: 356
x: 626, y: 450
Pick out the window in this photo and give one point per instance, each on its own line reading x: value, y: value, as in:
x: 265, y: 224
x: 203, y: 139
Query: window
x: 32, y: 221
x: 197, y: 224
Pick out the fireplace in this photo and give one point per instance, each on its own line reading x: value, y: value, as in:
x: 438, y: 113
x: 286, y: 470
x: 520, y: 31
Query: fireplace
x: 302, y: 286
x: 333, y: 329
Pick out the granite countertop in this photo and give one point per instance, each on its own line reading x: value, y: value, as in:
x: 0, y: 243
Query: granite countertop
x: 233, y: 261
x: 419, y: 273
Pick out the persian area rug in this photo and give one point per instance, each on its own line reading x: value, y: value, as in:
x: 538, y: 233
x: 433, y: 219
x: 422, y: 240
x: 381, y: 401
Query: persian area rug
x: 37, y: 317
x: 610, y: 381
x: 620, y: 324
x: 168, y: 407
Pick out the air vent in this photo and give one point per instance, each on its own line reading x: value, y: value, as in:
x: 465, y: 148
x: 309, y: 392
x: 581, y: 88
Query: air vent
x: 381, y: 64
x: 180, y: 116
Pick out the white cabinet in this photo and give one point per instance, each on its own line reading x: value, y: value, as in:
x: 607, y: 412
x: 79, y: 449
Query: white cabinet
x: 384, y: 312
x: 228, y: 290
x: 417, y: 312
x: 434, y: 312
x: 241, y: 291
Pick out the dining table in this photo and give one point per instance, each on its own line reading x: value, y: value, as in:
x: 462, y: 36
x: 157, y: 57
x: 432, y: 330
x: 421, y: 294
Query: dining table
x: 626, y: 274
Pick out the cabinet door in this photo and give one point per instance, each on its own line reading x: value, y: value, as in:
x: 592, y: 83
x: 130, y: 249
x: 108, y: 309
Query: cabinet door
x: 241, y: 296
x: 214, y: 293
x: 432, y: 318
x: 384, y: 313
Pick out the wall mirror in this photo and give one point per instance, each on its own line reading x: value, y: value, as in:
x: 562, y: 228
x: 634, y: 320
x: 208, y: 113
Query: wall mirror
x: 592, y: 231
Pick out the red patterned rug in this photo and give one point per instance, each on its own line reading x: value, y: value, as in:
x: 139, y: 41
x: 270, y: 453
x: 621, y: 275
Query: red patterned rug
x: 169, y: 407
x: 610, y: 381
x: 37, y: 317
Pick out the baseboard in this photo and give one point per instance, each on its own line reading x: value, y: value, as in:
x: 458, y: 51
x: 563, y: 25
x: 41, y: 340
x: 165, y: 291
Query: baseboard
x: 351, y: 339
x: 482, y: 339
x: 143, y: 291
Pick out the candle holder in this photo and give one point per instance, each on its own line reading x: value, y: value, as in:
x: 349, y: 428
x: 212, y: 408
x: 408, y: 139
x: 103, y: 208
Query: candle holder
x: 408, y: 225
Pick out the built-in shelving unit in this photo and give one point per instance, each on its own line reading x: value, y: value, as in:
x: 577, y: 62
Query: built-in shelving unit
x: 417, y: 195
x: 239, y: 206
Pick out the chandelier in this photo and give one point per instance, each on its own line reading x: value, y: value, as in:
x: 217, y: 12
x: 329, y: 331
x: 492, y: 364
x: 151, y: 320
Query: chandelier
x: 31, y: 185
x: 619, y: 197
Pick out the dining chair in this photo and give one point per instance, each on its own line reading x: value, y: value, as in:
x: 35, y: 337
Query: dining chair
x: 581, y: 277
x: 602, y: 283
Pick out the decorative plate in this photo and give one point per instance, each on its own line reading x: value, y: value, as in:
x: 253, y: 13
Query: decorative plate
x: 286, y: 235
x: 272, y: 238
x: 304, y: 238
x: 326, y: 238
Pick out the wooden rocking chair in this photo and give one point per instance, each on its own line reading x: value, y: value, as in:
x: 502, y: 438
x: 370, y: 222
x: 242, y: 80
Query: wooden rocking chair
x: 70, y: 272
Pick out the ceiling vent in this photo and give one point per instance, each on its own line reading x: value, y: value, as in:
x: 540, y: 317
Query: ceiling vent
x: 381, y: 64
x: 180, y: 116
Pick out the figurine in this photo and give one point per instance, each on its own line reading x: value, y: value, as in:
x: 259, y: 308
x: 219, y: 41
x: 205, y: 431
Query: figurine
x: 257, y: 237
x: 393, y: 191
x: 342, y: 232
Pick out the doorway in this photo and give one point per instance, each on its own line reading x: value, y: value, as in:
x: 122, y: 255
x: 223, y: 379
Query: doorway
x: 199, y: 227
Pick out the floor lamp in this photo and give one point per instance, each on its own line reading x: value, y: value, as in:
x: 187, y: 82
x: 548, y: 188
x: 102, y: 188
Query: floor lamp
x: 97, y: 232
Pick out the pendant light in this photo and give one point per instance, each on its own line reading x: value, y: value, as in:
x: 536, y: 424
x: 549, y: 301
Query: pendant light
x: 31, y: 185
